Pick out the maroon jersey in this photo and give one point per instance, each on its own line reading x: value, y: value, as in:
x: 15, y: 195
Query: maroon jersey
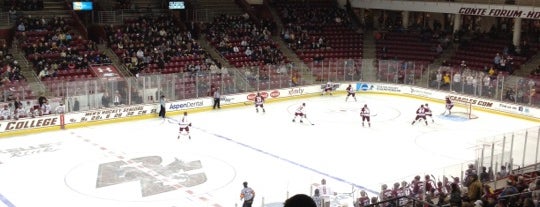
x: 363, y: 201
x: 259, y: 100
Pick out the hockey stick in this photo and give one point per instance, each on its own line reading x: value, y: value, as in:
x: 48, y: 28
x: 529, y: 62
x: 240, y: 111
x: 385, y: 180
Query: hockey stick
x: 309, y: 121
x: 247, y: 103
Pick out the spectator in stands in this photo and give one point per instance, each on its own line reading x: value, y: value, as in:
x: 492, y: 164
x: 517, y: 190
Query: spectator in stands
x: 508, y: 192
x: 521, y: 184
x: 446, y: 80
x: 455, y: 196
x: 300, y: 200
x: 484, y: 176
x: 536, y: 191
x: 510, y: 95
x: 536, y: 71
x: 474, y: 189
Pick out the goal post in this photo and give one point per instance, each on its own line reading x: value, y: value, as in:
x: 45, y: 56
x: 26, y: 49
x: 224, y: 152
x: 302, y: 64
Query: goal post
x: 464, y: 109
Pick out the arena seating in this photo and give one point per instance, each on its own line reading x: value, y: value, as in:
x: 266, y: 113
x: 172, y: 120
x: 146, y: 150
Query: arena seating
x: 320, y: 32
x: 51, y: 45
x: 228, y: 32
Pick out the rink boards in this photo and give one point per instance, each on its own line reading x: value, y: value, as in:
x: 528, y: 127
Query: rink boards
x: 136, y: 112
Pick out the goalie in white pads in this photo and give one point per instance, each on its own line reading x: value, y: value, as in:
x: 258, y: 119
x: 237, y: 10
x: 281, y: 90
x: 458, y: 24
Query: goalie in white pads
x: 420, y: 114
x: 184, y: 125
x: 364, y: 113
x: 350, y: 92
x: 300, y: 112
x: 259, y: 102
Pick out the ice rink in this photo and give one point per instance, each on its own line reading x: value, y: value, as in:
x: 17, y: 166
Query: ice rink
x: 142, y: 163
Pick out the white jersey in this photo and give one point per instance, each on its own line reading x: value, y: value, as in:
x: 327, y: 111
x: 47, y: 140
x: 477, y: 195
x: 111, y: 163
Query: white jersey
x: 20, y: 112
x: 5, y: 113
x: 184, y: 122
x: 259, y: 100
x: 364, y: 111
x: 46, y: 109
x: 301, y: 110
x: 60, y: 109
x: 350, y: 90
x: 328, y: 85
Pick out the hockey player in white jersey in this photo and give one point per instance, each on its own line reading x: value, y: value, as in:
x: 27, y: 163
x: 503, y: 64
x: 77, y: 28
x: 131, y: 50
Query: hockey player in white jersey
x: 184, y: 125
x: 364, y: 113
x: 328, y: 88
x: 350, y: 92
x: 5, y: 113
x: 300, y: 112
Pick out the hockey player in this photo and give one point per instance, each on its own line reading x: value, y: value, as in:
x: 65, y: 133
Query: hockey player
x: 300, y: 112
x: 61, y: 109
x: 364, y: 113
x: 5, y: 113
x: 448, y: 105
x: 259, y: 102
x: 19, y: 112
x: 46, y: 109
x: 184, y: 124
x: 363, y: 200
x: 420, y: 114
x: 429, y: 113
x: 327, y: 88
x: 350, y: 92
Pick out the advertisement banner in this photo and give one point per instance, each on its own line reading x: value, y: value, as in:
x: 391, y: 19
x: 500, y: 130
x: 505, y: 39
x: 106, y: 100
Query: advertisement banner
x: 46, y: 121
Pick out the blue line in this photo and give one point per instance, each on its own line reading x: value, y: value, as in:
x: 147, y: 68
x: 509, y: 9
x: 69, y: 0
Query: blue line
x: 291, y: 162
x: 6, y: 201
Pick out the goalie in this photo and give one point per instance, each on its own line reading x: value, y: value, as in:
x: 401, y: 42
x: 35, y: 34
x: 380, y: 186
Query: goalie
x: 184, y: 124
x: 327, y: 89
x: 448, y: 105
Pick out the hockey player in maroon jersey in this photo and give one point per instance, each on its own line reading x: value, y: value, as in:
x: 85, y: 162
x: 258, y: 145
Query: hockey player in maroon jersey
x: 385, y: 194
x: 403, y: 191
x: 363, y: 200
x: 259, y: 102
x: 364, y: 113
x: 350, y: 92
x: 300, y: 112
x: 420, y: 114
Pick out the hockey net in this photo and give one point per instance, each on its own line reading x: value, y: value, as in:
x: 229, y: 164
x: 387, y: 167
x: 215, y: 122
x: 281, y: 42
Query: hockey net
x: 464, y: 109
